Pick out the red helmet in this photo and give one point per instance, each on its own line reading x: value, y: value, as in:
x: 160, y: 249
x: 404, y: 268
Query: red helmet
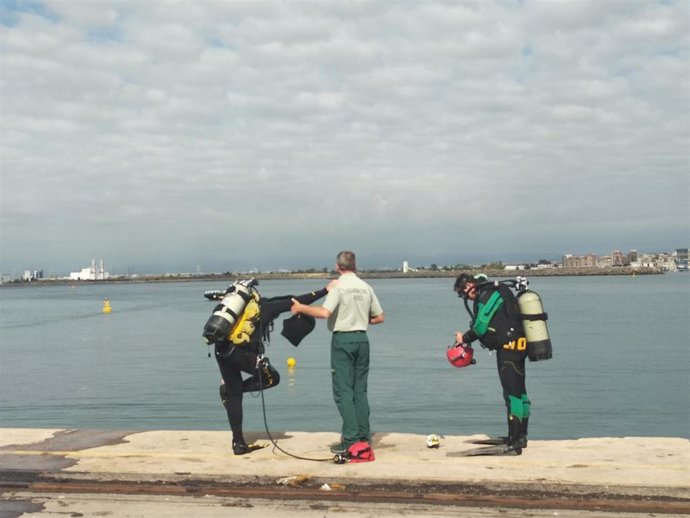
x: 460, y: 355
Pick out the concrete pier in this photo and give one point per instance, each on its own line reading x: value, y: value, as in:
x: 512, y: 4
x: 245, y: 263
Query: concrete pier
x: 85, y: 471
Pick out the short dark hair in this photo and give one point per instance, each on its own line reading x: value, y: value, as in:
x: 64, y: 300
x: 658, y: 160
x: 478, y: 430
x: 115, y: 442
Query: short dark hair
x: 346, y: 261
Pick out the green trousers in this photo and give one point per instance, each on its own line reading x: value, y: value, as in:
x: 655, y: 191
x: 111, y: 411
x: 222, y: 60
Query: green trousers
x: 350, y: 370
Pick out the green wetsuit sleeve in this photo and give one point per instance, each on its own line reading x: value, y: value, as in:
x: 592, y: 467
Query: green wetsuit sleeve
x: 486, y: 312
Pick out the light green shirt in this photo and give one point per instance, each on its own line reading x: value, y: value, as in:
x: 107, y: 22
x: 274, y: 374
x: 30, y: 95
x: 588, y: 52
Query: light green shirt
x: 351, y: 303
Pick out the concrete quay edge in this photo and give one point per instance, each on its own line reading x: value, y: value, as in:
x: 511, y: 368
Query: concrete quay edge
x: 630, y: 468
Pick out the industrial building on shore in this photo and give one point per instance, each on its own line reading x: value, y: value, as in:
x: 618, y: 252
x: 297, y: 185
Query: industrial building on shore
x: 90, y: 273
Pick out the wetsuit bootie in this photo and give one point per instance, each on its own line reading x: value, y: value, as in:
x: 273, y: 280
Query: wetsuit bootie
x: 522, y: 438
x: 516, y: 439
x: 239, y: 445
x: 240, y: 448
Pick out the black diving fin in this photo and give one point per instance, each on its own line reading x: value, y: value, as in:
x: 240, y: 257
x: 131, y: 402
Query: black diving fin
x: 502, y: 450
x: 491, y: 440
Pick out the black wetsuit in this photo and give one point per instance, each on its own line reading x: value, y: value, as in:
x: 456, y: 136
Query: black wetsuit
x: 233, y: 360
x: 496, y: 322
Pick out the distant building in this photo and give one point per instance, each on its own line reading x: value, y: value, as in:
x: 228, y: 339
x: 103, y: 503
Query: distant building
x: 617, y: 258
x: 681, y: 258
x: 604, y: 261
x: 90, y: 273
x: 29, y: 275
x: 406, y: 267
x: 580, y: 261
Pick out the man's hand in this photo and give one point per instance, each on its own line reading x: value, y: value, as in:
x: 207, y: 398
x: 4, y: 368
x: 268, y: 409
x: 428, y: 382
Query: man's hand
x: 313, y: 311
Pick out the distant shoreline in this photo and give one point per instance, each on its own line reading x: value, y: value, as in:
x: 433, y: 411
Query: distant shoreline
x: 424, y: 274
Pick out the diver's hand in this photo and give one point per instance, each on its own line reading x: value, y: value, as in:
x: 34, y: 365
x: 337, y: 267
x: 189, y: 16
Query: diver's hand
x: 331, y: 284
x: 458, y: 337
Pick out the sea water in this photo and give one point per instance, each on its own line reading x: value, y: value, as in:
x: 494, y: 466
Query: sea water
x: 619, y: 366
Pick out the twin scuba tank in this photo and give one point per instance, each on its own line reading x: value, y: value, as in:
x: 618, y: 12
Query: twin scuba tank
x: 224, y: 321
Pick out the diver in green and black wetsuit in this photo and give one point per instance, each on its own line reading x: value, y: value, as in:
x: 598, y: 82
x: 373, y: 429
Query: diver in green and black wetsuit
x: 497, y: 324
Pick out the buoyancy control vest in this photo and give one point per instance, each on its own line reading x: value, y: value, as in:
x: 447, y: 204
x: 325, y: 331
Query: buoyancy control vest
x: 247, y: 325
x: 526, y: 308
x: 495, y: 317
x: 236, y: 319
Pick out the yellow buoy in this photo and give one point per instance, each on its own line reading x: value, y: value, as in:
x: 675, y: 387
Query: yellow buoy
x: 106, y: 306
x: 291, y: 362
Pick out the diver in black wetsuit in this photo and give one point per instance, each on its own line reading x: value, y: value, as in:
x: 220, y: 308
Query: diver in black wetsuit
x: 242, y: 351
x: 496, y: 322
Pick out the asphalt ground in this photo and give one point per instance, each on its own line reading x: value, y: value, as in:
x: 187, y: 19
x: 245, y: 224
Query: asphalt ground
x: 150, y: 473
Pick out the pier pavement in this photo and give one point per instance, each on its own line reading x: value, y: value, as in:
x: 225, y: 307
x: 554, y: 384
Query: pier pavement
x: 50, y: 472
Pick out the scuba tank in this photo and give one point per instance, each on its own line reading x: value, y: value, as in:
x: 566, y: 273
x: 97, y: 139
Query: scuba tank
x: 533, y: 321
x: 531, y: 313
x: 229, y: 311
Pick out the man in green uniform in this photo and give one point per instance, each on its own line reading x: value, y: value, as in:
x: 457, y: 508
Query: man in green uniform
x: 350, y: 307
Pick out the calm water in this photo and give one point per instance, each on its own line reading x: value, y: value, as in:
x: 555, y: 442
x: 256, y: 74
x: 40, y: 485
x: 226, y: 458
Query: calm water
x: 620, y: 365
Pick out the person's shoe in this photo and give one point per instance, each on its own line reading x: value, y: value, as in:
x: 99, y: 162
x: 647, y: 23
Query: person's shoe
x: 339, y: 447
x: 240, y: 448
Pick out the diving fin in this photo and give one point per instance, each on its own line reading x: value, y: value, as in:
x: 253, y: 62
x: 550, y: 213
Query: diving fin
x: 494, y: 441
x: 503, y: 450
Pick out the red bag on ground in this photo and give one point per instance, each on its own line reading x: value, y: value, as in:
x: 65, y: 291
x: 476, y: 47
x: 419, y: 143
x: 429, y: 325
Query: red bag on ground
x: 360, y: 452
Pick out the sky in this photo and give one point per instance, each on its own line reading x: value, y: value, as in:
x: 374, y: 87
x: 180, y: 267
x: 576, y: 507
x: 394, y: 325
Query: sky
x: 212, y: 136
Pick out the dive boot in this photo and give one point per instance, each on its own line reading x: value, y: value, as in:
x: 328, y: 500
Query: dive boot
x: 517, y: 436
x: 240, y: 448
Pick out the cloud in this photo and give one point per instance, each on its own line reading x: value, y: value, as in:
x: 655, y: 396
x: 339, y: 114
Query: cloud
x: 233, y: 134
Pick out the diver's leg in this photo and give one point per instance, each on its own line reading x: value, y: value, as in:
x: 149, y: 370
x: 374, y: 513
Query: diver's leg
x: 232, y: 367
x: 263, y: 377
x: 512, y: 375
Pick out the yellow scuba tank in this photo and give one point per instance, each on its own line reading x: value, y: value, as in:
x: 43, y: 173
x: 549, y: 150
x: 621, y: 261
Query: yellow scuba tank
x: 534, y: 322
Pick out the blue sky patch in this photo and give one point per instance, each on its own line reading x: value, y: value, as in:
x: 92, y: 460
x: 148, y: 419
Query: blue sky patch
x: 10, y: 10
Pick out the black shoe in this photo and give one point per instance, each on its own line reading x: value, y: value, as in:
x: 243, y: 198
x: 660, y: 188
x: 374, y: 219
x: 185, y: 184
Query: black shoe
x: 240, y: 448
x: 339, y: 448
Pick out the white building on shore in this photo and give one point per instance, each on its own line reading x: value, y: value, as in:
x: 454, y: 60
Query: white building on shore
x: 407, y: 268
x: 90, y: 273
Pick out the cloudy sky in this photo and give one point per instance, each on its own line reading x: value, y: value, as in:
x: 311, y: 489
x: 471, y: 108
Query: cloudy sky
x: 168, y: 135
